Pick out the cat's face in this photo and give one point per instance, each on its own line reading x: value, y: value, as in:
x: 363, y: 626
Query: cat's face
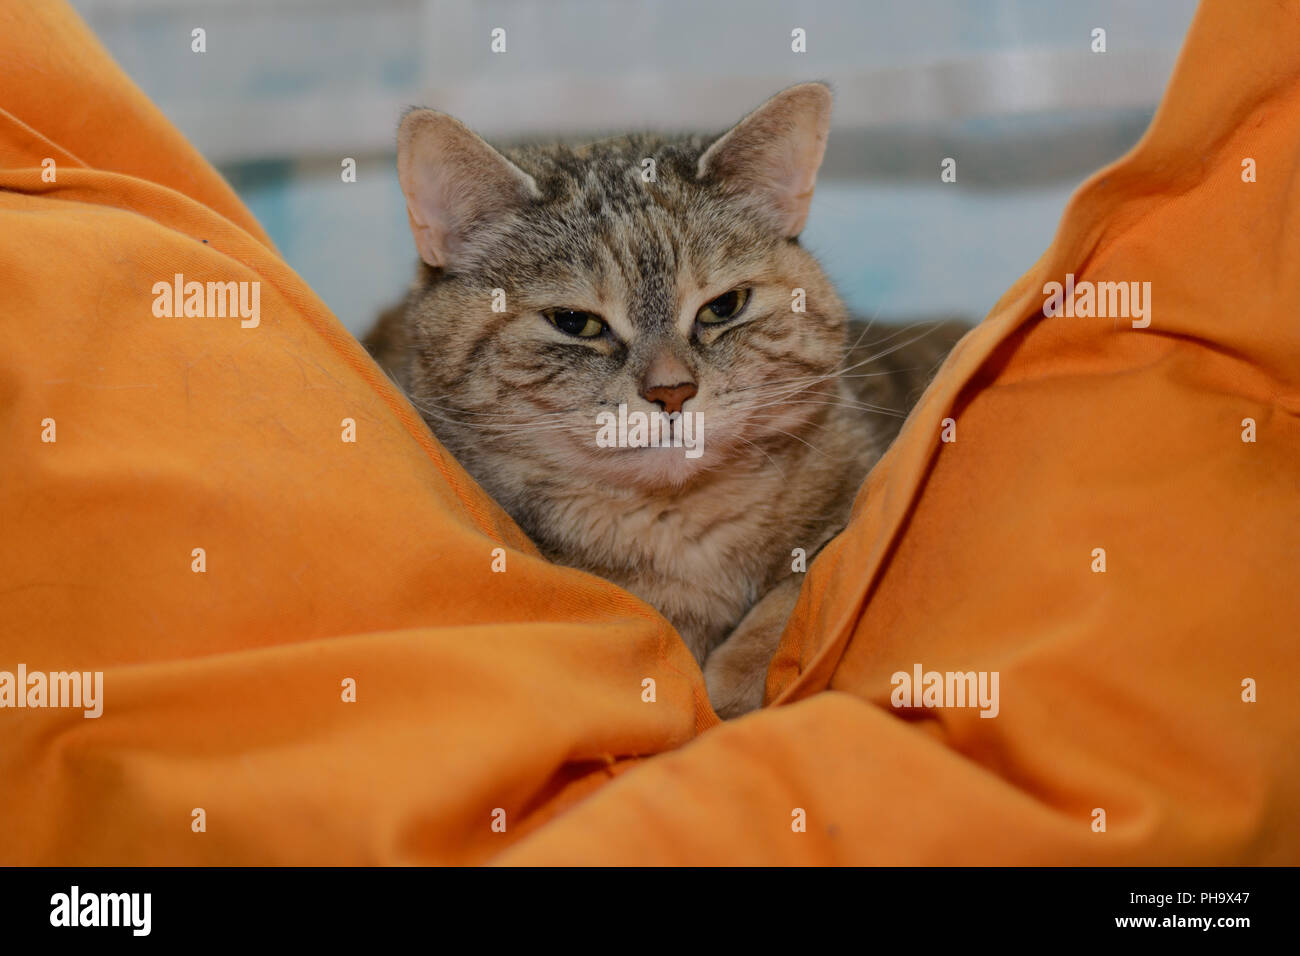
x: 564, y: 283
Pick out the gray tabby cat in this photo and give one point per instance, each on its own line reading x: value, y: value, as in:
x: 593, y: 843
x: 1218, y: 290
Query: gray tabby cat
x: 677, y: 292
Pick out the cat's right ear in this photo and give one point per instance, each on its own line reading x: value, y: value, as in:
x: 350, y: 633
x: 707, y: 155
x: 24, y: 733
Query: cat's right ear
x: 773, y: 154
x: 453, y: 180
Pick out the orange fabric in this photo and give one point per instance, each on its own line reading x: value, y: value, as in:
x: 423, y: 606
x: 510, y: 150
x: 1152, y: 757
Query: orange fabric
x: 522, y: 690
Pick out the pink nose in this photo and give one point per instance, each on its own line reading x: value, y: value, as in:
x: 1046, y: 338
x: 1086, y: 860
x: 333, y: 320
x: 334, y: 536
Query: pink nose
x: 670, y: 398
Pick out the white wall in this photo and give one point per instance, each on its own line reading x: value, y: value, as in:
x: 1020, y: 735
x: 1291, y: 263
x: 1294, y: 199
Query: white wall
x: 1009, y: 87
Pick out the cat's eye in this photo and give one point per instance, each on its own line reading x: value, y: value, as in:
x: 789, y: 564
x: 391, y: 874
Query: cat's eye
x: 583, y: 325
x: 724, y: 308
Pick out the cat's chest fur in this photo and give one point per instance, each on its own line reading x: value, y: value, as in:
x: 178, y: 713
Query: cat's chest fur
x: 703, y: 555
x: 700, y: 558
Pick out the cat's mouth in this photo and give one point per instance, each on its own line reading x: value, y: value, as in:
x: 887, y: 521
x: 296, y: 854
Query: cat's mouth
x: 651, y: 430
x: 650, y: 469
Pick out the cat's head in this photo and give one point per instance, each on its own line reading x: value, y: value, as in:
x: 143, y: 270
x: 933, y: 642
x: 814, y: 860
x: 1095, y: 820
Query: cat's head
x: 663, y: 274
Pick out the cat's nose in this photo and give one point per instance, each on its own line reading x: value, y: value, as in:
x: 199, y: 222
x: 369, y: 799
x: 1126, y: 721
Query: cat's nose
x: 670, y: 398
x: 668, y: 383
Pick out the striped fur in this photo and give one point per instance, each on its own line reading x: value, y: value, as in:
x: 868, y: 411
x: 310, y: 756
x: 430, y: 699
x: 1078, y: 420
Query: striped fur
x: 788, y: 439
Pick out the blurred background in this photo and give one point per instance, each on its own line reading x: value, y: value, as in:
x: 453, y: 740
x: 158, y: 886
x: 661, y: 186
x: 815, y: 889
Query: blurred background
x: 1010, y: 89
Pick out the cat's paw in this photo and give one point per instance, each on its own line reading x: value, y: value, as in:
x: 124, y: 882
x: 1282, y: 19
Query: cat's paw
x: 735, y: 674
x: 734, y: 684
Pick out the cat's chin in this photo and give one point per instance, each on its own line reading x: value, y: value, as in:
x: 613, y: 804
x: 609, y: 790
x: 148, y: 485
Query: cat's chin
x: 650, y: 469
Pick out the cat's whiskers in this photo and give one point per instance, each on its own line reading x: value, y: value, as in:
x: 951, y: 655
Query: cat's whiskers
x: 758, y: 448
x: 432, y: 407
x: 510, y: 428
x: 841, y: 372
x: 797, y: 384
x: 541, y: 423
x: 772, y: 428
x: 840, y: 403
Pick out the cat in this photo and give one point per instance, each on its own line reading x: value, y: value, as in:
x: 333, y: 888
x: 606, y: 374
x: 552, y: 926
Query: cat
x: 663, y: 274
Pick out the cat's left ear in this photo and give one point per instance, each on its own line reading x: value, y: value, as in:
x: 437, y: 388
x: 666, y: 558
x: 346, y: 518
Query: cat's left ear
x: 775, y: 153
